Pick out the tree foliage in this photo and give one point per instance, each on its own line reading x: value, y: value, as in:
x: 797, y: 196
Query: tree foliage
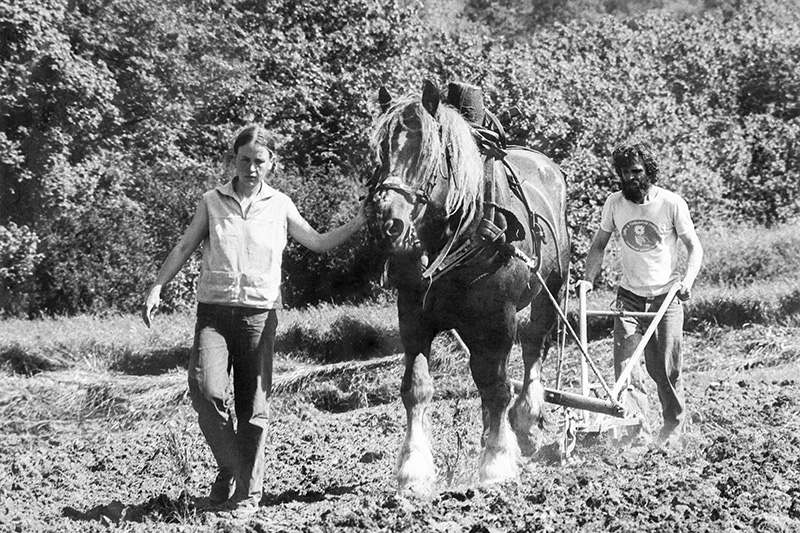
x: 115, y: 116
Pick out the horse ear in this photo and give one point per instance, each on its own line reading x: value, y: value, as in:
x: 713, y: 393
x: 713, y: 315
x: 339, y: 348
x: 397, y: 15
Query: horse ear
x: 384, y: 99
x: 430, y: 97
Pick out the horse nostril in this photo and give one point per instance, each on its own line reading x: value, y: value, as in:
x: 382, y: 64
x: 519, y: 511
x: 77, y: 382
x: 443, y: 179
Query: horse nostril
x: 393, y: 228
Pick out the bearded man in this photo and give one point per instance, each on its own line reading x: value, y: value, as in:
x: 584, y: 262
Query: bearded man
x: 649, y: 222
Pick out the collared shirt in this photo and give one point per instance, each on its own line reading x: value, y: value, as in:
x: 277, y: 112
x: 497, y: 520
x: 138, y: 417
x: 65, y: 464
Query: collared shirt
x: 243, y: 251
x: 648, y: 234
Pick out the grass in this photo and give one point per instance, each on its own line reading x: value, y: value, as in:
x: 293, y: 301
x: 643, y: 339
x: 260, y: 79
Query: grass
x: 776, y: 302
x: 123, y: 344
x: 116, y: 343
x: 328, y: 333
x: 744, y: 255
x: 330, y: 352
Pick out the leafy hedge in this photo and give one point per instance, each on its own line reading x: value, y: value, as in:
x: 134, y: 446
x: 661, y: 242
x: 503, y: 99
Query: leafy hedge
x: 117, y: 115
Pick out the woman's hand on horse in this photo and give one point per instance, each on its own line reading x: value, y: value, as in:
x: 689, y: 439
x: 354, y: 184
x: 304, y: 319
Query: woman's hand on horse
x: 361, y: 215
x: 152, y: 301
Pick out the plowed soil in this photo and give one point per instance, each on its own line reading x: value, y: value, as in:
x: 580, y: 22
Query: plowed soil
x: 100, y: 452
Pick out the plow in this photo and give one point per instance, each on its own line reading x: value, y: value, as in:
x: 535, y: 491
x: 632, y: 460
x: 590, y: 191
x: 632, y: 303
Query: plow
x: 592, y: 409
x: 596, y: 407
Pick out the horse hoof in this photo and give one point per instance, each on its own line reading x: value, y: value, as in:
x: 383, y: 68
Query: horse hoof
x: 416, y: 473
x: 420, y: 488
x: 526, y: 424
x: 416, y: 485
x: 498, y: 474
x: 498, y: 467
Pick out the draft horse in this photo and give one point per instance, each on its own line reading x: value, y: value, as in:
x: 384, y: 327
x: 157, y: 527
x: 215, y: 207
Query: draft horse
x: 455, y: 229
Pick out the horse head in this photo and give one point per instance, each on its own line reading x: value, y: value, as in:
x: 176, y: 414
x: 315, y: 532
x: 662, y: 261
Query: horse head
x: 429, y: 177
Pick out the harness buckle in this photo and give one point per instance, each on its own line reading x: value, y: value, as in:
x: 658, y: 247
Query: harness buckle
x: 490, y: 232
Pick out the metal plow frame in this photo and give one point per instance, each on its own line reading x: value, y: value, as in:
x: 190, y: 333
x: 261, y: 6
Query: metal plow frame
x: 608, y: 413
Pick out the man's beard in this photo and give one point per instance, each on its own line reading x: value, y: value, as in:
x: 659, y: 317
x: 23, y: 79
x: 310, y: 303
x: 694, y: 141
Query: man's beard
x: 635, y: 191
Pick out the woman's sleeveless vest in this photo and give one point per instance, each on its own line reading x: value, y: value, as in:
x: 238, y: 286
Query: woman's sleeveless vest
x: 243, y: 251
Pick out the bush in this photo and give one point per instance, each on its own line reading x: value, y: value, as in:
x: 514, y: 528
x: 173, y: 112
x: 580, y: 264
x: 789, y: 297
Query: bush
x: 19, y: 258
x: 769, y: 192
x: 93, y: 258
x: 146, y: 94
x: 329, y: 200
x: 789, y: 306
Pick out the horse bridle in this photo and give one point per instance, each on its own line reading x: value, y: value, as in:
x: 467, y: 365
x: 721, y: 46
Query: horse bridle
x: 419, y: 198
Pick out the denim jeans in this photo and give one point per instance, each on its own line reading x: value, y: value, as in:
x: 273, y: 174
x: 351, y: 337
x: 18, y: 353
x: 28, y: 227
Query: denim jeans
x: 662, y: 356
x: 240, y: 340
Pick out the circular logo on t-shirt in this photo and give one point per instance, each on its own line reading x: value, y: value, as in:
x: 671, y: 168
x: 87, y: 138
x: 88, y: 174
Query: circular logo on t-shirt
x: 641, y: 235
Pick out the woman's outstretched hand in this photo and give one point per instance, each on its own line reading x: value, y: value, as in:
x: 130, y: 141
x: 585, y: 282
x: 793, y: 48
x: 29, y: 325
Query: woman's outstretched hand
x: 684, y: 292
x: 150, y: 303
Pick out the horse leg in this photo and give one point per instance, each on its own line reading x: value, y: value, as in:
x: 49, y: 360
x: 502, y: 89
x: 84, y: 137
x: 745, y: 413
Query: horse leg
x: 527, y: 415
x: 416, y: 470
x: 489, y: 351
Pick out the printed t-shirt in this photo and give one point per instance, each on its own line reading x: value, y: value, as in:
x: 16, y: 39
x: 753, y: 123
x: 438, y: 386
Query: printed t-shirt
x: 648, y: 234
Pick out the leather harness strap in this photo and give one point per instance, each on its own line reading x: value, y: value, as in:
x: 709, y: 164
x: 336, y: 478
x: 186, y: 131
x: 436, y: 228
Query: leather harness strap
x: 492, y: 144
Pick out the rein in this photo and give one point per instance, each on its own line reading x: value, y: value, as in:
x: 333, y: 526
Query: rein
x: 437, y: 267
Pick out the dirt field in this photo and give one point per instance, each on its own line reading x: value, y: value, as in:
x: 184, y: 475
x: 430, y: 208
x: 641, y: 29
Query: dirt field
x: 99, y: 452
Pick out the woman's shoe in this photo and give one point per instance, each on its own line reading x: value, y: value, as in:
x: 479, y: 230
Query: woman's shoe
x: 240, y: 508
x: 222, y: 489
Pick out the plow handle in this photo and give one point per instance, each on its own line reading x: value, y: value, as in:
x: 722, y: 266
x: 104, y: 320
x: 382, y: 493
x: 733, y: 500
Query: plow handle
x: 637, y: 354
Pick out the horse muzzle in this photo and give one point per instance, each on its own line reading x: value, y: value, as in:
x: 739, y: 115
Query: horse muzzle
x: 391, y: 230
x: 398, y: 234
x: 393, y: 210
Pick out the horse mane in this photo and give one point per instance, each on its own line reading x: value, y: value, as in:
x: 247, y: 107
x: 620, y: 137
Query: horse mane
x: 466, y: 165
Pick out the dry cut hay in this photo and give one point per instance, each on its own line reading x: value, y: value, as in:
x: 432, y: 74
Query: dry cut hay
x: 448, y: 347
x: 65, y: 397
x: 302, y: 376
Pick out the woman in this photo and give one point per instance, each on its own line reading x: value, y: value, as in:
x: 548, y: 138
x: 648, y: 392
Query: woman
x: 243, y: 226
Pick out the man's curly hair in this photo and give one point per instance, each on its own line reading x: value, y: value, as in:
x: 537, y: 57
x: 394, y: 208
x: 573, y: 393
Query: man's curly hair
x: 628, y: 152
